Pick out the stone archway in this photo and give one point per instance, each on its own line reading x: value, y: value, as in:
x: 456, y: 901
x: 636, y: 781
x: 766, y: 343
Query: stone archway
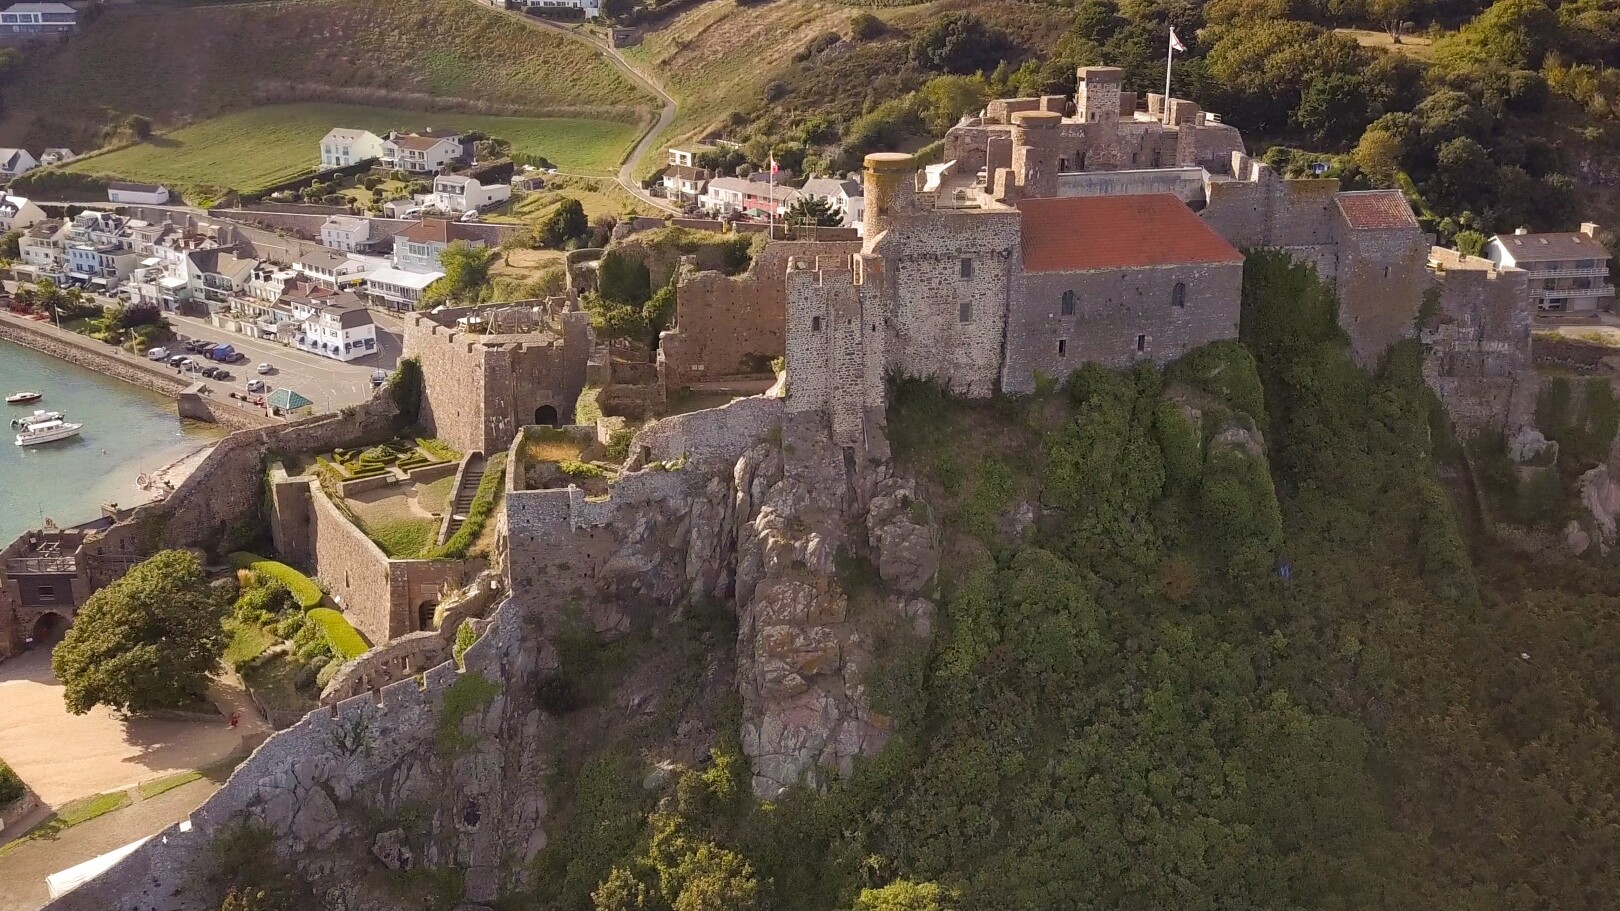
x: 546, y: 415
x: 49, y: 628
x: 424, y: 614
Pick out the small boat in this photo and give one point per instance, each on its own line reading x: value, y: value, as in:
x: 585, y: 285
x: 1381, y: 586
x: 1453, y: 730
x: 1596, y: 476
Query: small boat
x: 38, y: 417
x: 24, y: 398
x: 47, y: 432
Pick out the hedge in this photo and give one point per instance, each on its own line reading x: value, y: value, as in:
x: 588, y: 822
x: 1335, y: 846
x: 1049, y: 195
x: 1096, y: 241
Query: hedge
x: 303, y: 588
x: 11, y: 787
x: 483, y: 504
x: 345, y: 640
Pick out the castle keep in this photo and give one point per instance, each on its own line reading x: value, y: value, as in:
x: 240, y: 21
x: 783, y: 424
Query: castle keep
x: 1055, y: 235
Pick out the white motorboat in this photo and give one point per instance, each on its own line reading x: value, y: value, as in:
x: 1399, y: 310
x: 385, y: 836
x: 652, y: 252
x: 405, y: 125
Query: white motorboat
x: 38, y: 417
x: 24, y: 398
x: 47, y: 432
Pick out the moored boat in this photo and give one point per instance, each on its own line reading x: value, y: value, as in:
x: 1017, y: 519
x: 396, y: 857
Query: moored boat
x: 47, y: 432
x: 38, y: 417
x: 23, y: 398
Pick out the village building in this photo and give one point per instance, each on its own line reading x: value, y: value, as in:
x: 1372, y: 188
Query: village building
x: 1568, y: 272
x: 138, y: 194
x: 38, y: 19
x: 342, y: 147
x: 17, y: 213
x: 15, y: 163
x: 684, y: 183
x: 458, y: 193
x: 337, y: 326
x: 426, y: 152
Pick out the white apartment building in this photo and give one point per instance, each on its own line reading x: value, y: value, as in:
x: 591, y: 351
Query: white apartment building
x: 343, y: 147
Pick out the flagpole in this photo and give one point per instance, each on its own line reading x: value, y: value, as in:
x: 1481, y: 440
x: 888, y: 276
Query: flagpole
x: 771, y: 192
x: 1169, y: 58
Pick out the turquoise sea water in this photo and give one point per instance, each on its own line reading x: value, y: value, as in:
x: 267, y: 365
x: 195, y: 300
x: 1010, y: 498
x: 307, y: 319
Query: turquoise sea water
x: 127, y: 431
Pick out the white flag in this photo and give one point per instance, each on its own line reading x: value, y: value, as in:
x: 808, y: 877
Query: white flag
x: 1175, y: 43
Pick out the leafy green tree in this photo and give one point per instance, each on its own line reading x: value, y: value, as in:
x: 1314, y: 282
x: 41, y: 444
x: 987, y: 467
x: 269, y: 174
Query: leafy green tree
x: 960, y: 43
x: 623, y: 279
x: 813, y: 210
x: 565, y: 223
x: 1334, y: 107
x: 466, y: 274
x: 147, y: 641
x: 1378, y: 154
x: 9, y: 248
x: 947, y: 98
x: 621, y: 891
x: 865, y: 26
x: 711, y: 878
x: 1470, y: 243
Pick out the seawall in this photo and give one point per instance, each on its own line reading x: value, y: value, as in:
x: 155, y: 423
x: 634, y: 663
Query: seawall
x: 122, y: 365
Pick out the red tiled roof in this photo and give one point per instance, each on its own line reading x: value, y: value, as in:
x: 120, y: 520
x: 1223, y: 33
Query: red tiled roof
x: 1377, y: 210
x: 428, y: 231
x: 1117, y: 232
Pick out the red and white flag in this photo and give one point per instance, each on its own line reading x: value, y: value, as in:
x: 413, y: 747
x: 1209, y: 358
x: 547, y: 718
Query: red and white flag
x: 774, y: 168
x: 1175, y: 43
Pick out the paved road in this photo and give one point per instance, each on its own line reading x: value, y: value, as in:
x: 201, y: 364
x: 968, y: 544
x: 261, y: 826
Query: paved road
x: 328, y: 383
x: 649, y: 139
x: 23, y: 871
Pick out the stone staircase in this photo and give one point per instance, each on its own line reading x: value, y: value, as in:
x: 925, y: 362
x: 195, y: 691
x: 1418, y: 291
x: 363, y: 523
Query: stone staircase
x: 461, y: 502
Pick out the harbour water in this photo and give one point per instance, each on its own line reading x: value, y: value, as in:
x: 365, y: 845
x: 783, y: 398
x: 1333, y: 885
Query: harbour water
x: 128, y: 431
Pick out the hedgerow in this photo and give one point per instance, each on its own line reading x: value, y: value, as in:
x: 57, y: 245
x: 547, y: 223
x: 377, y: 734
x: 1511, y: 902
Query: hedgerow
x: 303, y: 588
x: 345, y: 640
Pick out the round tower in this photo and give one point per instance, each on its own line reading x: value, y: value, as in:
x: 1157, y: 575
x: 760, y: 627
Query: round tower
x: 1035, y: 152
x: 891, y: 190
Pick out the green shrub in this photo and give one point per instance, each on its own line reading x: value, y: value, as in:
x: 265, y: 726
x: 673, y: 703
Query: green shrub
x: 303, y: 588
x: 11, y: 787
x: 582, y: 470
x: 345, y: 640
x: 439, y: 449
x: 469, y: 694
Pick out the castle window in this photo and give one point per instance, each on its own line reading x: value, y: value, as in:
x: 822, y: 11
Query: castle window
x: 1386, y: 272
x: 1068, y: 303
x: 815, y: 324
x: 964, y: 313
x: 1063, y: 164
x: 1141, y: 343
x: 46, y: 592
x: 1178, y: 295
x: 966, y: 267
x: 1063, y: 347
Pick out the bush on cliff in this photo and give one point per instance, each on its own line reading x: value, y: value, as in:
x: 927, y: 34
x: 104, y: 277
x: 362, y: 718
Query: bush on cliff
x: 303, y: 588
x: 147, y: 641
x: 11, y: 787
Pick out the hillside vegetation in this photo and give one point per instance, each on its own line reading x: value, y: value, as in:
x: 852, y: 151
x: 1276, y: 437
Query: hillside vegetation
x: 1242, y: 657
x: 248, y: 150
x: 173, y: 64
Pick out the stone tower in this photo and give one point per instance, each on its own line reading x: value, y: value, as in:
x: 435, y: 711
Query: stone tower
x: 891, y: 190
x: 1097, y: 100
x: 1035, y: 153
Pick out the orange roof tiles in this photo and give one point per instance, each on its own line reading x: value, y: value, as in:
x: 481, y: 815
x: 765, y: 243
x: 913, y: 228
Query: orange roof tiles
x: 1377, y: 210
x: 1077, y: 233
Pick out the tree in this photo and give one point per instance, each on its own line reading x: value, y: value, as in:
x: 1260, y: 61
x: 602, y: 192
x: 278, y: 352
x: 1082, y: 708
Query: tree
x: 466, y: 274
x: 813, y: 210
x: 9, y: 247
x: 1391, y: 14
x: 138, y: 126
x: 565, y: 223
x: 1334, y: 107
x: 147, y: 641
x: 623, y: 279
x: 1378, y: 154
x: 139, y: 314
x: 959, y: 43
x: 621, y: 891
x: 660, y: 310
x: 713, y: 879
x: 947, y: 98
x: 1470, y: 243
x: 905, y: 895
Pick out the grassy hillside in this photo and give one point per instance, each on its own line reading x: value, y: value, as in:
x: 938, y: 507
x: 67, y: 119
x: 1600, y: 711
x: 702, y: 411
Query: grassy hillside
x: 251, y: 149
x: 173, y: 64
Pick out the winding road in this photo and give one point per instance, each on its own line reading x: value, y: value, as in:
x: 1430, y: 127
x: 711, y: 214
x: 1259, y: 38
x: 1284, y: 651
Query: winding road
x: 627, y: 171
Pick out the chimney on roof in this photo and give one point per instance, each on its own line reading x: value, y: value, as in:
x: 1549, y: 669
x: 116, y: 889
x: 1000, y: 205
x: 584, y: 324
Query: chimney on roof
x: 1521, y: 230
x: 1589, y: 228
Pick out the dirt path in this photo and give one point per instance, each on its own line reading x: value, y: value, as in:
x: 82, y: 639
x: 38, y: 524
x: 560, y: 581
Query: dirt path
x: 23, y: 870
x: 649, y: 139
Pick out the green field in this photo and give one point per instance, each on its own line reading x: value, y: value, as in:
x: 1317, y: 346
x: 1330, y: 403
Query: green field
x: 255, y: 148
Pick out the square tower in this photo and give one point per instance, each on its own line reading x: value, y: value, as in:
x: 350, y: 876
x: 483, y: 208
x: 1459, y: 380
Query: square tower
x: 1097, y: 99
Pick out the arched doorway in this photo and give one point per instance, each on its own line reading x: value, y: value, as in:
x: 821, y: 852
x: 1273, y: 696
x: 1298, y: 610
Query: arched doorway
x: 424, y: 615
x: 546, y: 415
x: 49, y: 630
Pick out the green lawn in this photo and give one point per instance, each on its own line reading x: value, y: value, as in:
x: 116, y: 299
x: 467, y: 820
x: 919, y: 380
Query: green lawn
x: 248, y: 641
x: 70, y: 815
x: 150, y: 789
x: 404, y: 538
x: 252, y: 149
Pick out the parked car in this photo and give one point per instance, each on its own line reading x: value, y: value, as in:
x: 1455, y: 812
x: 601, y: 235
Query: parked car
x: 265, y: 368
x: 258, y: 386
x: 221, y: 374
x: 179, y: 360
x: 158, y: 354
x: 471, y: 215
x: 210, y: 372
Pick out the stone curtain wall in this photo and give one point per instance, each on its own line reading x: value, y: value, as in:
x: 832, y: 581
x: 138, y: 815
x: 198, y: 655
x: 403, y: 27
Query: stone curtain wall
x: 1479, y: 359
x: 712, y: 439
x: 452, y: 381
x: 354, y: 569
x: 1260, y: 209
x: 315, y: 784
x: 837, y: 338
x: 1112, y: 308
x: 730, y: 326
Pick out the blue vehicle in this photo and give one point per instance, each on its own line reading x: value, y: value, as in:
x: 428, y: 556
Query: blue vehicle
x: 222, y: 353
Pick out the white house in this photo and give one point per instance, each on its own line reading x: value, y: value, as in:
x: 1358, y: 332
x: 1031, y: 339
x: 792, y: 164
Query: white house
x: 687, y: 156
x: 15, y: 163
x: 337, y: 326
x: 38, y: 19
x: 399, y: 289
x: 685, y: 183
x: 348, y: 233
x: 1569, y: 271
x: 343, y: 147
x: 17, y: 213
x: 750, y: 197
x: 592, y: 8
x: 329, y: 269
x: 426, y: 152
x: 841, y: 193
x: 43, y: 250
x: 57, y: 155
x: 455, y: 193
x: 217, y: 274
x: 149, y: 194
